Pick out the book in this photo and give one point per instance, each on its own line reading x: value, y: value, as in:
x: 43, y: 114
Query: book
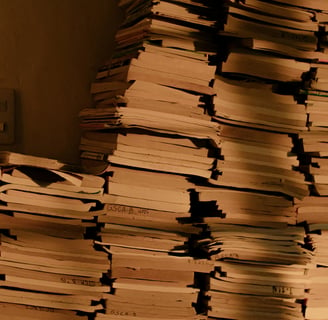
x: 47, y: 300
x: 244, y: 24
x: 42, y: 177
x: 264, y: 67
x: 13, y: 158
x: 15, y: 311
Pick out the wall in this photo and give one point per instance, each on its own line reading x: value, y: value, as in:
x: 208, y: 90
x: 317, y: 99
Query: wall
x: 50, y: 51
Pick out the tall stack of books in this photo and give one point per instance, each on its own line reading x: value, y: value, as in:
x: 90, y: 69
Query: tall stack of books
x: 49, y: 266
x: 151, y: 136
x: 275, y: 58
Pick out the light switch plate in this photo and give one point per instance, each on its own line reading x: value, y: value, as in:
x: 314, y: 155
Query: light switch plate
x: 7, y: 116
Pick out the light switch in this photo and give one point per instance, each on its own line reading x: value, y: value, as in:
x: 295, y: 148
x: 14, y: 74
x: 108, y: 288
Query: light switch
x: 7, y: 116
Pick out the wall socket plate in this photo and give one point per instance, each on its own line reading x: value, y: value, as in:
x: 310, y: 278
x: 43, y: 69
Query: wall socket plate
x: 7, y: 116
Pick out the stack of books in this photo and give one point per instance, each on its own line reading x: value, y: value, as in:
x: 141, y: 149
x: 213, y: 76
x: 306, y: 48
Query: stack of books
x: 50, y: 268
x: 285, y: 46
x: 316, y: 101
x: 260, y: 254
x: 158, y: 111
x: 256, y: 105
x: 260, y: 270
x: 278, y: 77
x: 316, y: 306
x: 245, y: 291
x: 195, y: 130
x: 259, y: 160
x: 205, y: 192
x: 150, y: 135
x: 208, y: 175
x: 311, y: 212
x: 241, y: 207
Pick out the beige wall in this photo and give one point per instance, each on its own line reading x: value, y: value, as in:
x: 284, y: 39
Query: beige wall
x: 50, y: 51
